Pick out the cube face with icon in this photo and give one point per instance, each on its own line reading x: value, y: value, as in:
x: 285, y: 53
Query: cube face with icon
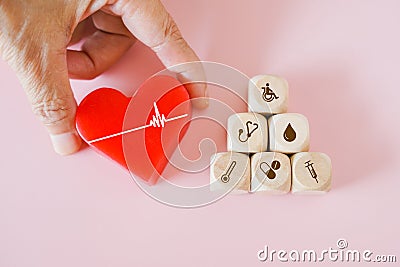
x: 311, y: 172
x: 289, y: 133
x: 270, y: 173
x: 247, y: 132
x: 268, y: 94
x: 230, y: 171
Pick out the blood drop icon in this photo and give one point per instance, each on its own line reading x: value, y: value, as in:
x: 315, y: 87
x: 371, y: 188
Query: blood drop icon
x: 289, y: 134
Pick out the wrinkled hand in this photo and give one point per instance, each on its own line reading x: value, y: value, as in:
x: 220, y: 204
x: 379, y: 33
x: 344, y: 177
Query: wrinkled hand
x: 34, y: 40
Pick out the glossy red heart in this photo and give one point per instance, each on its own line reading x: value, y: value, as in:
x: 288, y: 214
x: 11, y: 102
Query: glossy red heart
x: 131, y: 131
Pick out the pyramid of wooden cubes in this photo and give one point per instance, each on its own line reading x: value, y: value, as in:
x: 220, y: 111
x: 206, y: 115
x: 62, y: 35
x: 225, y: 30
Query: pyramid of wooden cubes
x: 268, y: 148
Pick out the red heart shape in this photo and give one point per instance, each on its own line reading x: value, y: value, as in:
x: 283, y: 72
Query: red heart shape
x: 149, y: 138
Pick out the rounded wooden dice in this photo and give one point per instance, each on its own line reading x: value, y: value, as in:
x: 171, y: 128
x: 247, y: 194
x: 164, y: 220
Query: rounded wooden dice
x: 268, y: 94
x: 230, y: 171
x: 247, y: 132
x: 270, y: 173
x: 289, y: 133
x: 311, y: 172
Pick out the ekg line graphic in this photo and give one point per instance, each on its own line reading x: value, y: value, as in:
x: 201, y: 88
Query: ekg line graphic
x: 157, y: 121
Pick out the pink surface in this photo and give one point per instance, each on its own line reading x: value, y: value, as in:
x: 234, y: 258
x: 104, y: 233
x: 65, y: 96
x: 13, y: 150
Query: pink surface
x: 341, y: 59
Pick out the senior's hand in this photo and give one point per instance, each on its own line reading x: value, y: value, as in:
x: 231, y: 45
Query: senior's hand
x: 34, y: 40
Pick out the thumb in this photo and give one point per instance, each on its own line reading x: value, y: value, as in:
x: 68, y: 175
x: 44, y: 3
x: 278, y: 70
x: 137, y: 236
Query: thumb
x: 43, y: 73
x: 34, y: 44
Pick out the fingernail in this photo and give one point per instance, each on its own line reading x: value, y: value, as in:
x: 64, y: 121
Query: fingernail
x: 66, y: 143
x: 206, y: 97
x: 206, y: 93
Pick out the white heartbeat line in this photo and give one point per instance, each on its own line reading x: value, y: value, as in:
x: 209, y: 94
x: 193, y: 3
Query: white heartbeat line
x: 157, y: 121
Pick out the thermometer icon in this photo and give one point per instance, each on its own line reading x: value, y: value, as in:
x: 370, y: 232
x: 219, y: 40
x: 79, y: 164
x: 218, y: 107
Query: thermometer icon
x: 225, y: 177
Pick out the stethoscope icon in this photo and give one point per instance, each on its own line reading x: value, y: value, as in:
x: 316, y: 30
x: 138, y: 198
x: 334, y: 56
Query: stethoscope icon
x: 249, y: 132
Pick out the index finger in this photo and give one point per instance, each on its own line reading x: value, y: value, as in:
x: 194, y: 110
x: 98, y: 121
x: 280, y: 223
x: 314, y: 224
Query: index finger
x: 150, y: 23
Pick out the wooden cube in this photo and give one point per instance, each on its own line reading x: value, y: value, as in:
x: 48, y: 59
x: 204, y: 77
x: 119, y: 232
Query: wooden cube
x: 289, y: 133
x: 268, y: 94
x: 230, y: 171
x: 270, y: 173
x: 247, y: 132
x: 311, y: 172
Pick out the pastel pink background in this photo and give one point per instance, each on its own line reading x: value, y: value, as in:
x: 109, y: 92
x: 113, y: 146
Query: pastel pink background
x: 341, y: 59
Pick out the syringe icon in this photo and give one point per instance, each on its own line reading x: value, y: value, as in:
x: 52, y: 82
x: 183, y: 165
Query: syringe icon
x: 311, y: 169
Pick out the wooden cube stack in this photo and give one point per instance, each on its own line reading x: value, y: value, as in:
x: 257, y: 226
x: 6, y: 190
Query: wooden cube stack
x: 269, y: 156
